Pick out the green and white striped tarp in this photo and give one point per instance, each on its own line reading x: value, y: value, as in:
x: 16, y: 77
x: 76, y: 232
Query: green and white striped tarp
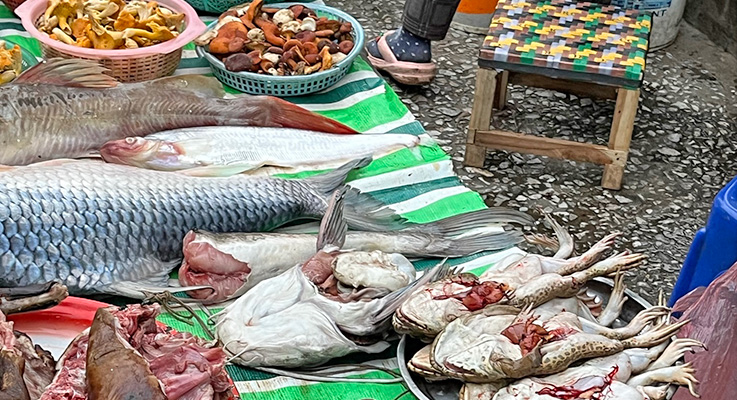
x: 422, y: 188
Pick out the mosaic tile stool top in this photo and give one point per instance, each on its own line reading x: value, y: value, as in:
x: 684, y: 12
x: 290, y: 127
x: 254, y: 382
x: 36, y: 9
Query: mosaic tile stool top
x: 569, y: 40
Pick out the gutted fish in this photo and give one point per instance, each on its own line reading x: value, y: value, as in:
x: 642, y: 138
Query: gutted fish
x: 231, y: 262
x: 306, y: 316
x: 218, y: 151
x: 101, y: 227
x: 69, y: 108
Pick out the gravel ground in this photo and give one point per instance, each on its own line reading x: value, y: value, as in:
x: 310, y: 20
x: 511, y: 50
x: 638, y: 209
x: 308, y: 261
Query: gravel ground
x: 682, y: 151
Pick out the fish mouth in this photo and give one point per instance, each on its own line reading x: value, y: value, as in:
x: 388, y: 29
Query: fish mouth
x: 205, y: 265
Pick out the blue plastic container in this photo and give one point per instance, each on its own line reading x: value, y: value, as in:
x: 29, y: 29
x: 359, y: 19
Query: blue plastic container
x: 297, y: 85
x: 714, y: 248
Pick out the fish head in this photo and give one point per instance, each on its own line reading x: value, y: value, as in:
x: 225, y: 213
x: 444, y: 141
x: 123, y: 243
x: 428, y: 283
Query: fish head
x: 145, y: 153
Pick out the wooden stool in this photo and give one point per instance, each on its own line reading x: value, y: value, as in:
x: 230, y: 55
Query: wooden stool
x: 573, y: 47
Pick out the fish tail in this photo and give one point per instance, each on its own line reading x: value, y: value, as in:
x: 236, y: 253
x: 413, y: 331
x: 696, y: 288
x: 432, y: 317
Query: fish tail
x: 473, y: 232
x: 361, y: 210
x: 289, y: 115
x: 480, y: 219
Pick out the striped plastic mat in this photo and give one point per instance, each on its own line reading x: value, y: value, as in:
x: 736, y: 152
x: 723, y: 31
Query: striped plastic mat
x: 421, y: 187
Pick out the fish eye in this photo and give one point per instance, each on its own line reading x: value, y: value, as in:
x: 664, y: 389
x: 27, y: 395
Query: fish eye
x: 130, y: 140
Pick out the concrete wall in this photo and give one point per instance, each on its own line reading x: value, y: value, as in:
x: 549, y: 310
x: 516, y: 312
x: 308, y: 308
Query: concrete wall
x: 717, y: 19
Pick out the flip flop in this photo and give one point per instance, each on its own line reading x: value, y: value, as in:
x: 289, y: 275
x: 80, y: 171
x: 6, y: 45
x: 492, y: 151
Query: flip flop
x: 408, y: 73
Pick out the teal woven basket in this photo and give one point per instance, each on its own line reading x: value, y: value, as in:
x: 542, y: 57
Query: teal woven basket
x: 253, y: 83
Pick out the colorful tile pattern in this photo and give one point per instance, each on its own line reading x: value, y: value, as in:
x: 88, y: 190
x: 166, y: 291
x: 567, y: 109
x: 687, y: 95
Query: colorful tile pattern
x: 569, y: 39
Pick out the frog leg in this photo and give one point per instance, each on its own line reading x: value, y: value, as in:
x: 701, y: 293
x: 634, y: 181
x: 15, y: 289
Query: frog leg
x: 558, y: 356
x: 616, y: 302
x: 677, y: 374
x: 641, y: 320
x: 674, y: 352
x: 655, y: 336
x: 588, y: 258
x: 546, y: 287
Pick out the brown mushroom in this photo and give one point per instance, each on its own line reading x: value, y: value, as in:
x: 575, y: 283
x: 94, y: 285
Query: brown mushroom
x: 306, y: 36
x: 325, y: 33
x: 312, y: 58
x: 240, y: 62
x: 290, y: 44
x: 297, y: 10
x: 345, y: 46
x: 345, y: 27
x: 310, y: 48
x: 236, y: 44
x: 220, y: 45
x: 328, y: 24
x: 266, y: 64
x: 329, y: 44
x: 252, y: 12
x: 232, y: 30
x: 271, y: 31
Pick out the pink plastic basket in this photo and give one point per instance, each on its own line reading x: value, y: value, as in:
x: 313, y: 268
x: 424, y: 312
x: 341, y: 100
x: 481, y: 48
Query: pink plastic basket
x: 132, y: 65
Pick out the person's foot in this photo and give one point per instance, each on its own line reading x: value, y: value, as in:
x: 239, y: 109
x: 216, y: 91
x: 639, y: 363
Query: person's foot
x: 405, y: 46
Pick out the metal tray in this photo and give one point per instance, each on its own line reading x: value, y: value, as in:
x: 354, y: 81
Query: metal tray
x: 448, y: 390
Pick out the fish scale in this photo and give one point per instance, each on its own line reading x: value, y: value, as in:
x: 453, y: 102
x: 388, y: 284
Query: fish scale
x: 91, y: 224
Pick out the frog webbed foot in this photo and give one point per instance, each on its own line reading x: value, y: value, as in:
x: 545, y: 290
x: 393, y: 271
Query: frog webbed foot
x: 616, y: 302
x: 674, y: 352
x: 678, y: 374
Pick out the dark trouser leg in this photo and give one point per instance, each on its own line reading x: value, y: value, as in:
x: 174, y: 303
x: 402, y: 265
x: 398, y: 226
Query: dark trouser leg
x: 429, y: 19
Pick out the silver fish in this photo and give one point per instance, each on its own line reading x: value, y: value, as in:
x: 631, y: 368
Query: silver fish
x: 69, y: 108
x: 101, y: 227
x: 227, y: 150
x: 232, y: 263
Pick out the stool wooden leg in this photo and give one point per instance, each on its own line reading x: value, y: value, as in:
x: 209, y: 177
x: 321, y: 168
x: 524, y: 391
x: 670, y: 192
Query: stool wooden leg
x: 500, y: 98
x: 483, y: 99
x: 621, y: 135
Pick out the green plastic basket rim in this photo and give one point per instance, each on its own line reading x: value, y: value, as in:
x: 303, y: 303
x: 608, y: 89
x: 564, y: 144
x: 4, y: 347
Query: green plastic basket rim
x: 357, y: 47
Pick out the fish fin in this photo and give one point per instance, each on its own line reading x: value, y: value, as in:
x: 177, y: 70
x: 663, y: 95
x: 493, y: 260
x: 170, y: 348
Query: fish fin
x: 6, y: 168
x: 220, y: 170
x: 205, y: 86
x: 289, y: 115
x: 137, y: 290
x: 479, y: 219
x: 362, y: 211
x: 482, y: 240
x: 333, y: 227
x: 326, y: 184
x: 68, y: 72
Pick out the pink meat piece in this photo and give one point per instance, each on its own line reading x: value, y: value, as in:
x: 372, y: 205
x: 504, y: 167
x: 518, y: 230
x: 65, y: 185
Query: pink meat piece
x: 69, y: 382
x: 205, y: 265
x: 187, y: 368
x: 713, y: 322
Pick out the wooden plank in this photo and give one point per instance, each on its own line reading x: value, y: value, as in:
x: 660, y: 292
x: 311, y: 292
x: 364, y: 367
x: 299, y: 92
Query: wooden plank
x: 543, y: 146
x: 475, y: 156
x: 578, y: 88
x: 621, y: 135
x: 500, y: 97
x: 483, y: 98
